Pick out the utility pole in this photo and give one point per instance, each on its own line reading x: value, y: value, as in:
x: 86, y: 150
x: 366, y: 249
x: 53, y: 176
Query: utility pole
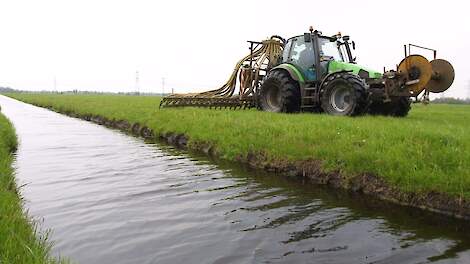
x: 137, y: 85
x: 55, y: 84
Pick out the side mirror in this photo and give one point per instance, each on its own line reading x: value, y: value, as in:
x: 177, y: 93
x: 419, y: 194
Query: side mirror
x: 307, y: 37
x: 353, y: 45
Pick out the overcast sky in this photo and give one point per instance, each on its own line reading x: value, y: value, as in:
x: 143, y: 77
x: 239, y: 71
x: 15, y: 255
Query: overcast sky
x: 99, y: 45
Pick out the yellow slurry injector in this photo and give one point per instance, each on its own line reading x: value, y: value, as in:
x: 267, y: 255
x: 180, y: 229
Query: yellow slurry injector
x: 249, y: 70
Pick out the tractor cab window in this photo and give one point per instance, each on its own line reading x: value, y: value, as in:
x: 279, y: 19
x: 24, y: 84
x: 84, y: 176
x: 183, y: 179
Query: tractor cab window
x: 329, y: 50
x: 303, y: 56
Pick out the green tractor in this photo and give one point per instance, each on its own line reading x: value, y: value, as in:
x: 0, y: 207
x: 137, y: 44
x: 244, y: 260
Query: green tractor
x: 317, y: 73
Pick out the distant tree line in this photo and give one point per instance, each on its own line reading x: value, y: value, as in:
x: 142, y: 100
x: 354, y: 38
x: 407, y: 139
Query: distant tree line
x: 451, y: 100
x: 6, y: 90
x: 10, y: 90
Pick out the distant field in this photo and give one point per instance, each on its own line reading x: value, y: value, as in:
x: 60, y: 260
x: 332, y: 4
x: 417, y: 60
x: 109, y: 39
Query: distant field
x: 18, y: 241
x: 427, y: 151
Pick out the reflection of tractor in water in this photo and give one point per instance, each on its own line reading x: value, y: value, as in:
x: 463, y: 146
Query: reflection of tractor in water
x: 317, y: 73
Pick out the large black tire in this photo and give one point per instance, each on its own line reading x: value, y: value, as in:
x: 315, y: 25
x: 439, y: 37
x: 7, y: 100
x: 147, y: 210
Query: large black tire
x: 279, y: 93
x: 397, y: 107
x: 343, y: 94
x: 402, y: 107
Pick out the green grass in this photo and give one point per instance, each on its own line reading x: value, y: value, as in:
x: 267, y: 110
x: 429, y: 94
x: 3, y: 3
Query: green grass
x: 19, y: 240
x: 427, y: 151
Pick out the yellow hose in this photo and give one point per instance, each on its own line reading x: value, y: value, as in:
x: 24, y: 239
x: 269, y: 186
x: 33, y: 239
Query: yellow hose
x: 263, y: 57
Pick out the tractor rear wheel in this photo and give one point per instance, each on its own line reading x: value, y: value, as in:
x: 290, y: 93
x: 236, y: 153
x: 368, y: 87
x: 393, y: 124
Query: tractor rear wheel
x: 344, y: 94
x: 279, y: 93
x: 398, y: 107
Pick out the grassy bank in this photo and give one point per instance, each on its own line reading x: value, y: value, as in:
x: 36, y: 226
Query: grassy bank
x: 19, y: 242
x: 428, y: 151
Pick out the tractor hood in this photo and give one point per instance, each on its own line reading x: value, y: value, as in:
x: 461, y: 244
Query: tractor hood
x: 335, y: 66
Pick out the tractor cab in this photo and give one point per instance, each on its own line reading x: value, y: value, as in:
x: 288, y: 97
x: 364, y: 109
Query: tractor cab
x: 310, y: 50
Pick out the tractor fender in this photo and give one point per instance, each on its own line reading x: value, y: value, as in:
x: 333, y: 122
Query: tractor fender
x: 294, y: 73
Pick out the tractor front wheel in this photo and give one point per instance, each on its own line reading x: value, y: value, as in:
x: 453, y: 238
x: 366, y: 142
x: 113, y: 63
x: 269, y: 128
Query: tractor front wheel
x: 344, y: 94
x: 279, y: 93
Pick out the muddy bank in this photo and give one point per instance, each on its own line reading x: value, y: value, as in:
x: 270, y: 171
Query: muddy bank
x: 308, y: 170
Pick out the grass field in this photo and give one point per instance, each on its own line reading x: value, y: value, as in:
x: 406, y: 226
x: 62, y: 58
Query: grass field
x: 19, y: 241
x: 427, y: 151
